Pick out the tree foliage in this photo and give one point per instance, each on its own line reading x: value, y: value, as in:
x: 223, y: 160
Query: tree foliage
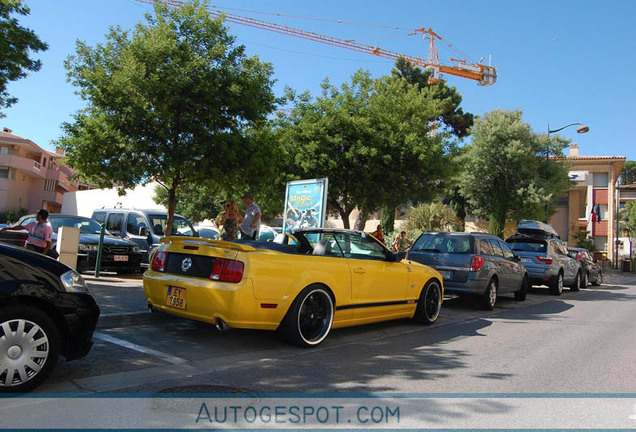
x: 628, y: 175
x: 507, y: 175
x: 451, y: 116
x: 193, y: 202
x: 174, y: 101
x: 430, y: 217
x: 371, y: 138
x: 17, y: 43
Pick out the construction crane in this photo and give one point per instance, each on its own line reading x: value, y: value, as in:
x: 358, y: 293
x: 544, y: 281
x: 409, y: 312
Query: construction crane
x: 485, y: 75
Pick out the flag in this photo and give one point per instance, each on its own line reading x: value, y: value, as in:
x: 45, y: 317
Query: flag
x: 592, y: 214
x: 598, y: 213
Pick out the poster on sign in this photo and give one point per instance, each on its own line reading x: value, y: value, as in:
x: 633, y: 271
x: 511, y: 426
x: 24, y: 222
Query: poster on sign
x: 305, y: 204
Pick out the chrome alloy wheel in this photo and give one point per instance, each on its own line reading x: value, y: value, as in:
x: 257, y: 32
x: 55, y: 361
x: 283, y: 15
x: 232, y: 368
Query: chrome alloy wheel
x: 24, y: 350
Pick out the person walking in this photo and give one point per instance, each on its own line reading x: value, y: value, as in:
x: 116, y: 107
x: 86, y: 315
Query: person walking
x: 402, y: 244
x: 40, y: 233
x: 229, y: 220
x: 378, y: 234
x: 252, y: 219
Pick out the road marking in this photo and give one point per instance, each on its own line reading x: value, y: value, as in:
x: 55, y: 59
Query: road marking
x: 142, y: 349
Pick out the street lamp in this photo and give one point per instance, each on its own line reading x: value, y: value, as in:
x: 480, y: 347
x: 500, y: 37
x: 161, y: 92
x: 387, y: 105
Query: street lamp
x: 580, y: 129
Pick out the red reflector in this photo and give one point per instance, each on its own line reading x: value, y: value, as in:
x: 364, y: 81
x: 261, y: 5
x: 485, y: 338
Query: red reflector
x: 476, y: 262
x: 545, y: 259
x: 225, y: 270
x: 269, y: 305
x: 159, y: 261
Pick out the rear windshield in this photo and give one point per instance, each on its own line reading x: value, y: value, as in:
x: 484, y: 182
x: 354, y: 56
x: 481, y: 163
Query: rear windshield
x: 528, y: 246
x: 444, y: 244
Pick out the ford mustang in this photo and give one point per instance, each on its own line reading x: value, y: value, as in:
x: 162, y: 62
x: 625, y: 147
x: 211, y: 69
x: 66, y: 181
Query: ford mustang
x: 302, y: 285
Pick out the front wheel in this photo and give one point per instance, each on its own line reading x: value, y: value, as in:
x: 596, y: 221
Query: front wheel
x: 29, y: 348
x: 309, y: 318
x: 429, y: 303
x: 584, y: 280
x: 599, y: 279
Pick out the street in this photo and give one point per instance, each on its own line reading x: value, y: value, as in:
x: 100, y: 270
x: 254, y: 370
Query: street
x: 580, y: 342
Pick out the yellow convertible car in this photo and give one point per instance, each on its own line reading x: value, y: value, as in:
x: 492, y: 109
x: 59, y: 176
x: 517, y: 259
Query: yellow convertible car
x: 305, y: 285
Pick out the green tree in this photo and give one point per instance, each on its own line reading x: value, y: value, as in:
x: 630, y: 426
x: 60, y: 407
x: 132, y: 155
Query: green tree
x: 507, y: 175
x: 16, y: 45
x: 451, y: 116
x: 193, y: 202
x: 430, y: 217
x: 627, y: 217
x: 582, y: 239
x: 174, y: 101
x: 628, y: 175
x: 371, y: 138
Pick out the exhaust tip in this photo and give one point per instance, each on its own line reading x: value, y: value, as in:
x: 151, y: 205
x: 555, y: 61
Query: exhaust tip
x: 221, y: 325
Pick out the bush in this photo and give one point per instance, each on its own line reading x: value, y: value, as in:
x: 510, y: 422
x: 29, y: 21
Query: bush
x: 431, y: 217
x: 11, y: 216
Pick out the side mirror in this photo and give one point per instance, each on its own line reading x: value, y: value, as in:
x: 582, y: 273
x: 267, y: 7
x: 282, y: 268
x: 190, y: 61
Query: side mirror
x: 516, y: 258
x: 143, y: 231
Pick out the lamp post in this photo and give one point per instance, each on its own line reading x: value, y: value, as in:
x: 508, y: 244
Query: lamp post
x: 581, y: 129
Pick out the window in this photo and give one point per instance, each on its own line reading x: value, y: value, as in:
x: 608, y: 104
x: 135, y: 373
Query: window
x: 4, y: 173
x: 601, y: 180
x: 529, y: 246
x: 99, y: 216
x: 4, y: 150
x: 496, y: 248
x: 600, y: 243
x: 114, y: 223
x: 507, y: 252
x: 484, y: 247
x: 603, y: 208
x: 444, y: 243
x: 359, y: 247
x: 135, y: 223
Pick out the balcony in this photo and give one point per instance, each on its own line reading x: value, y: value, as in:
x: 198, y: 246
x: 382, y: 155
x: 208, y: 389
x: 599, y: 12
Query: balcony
x: 24, y: 165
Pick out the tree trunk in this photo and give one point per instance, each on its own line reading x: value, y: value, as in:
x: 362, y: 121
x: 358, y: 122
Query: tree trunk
x: 497, y: 220
x: 172, y: 202
x: 361, y: 221
x: 387, y: 218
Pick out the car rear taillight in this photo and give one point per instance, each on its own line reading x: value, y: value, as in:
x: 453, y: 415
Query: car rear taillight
x: 225, y: 270
x: 476, y: 262
x: 159, y: 262
x: 579, y: 255
x: 545, y: 259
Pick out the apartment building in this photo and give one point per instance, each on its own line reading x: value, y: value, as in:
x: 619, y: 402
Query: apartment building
x: 590, y: 203
x: 32, y: 178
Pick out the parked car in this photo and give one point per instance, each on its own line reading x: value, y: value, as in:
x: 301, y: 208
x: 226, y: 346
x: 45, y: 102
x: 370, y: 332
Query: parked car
x: 313, y: 281
x: 118, y: 255
x: 46, y: 310
x: 16, y: 238
x: 590, y: 270
x: 545, y: 256
x: 472, y: 263
x: 268, y: 233
x: 207, y: 231
x: 144, y: 227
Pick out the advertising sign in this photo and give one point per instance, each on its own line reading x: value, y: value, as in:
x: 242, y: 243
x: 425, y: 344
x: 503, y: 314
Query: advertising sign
x: 305, y: 204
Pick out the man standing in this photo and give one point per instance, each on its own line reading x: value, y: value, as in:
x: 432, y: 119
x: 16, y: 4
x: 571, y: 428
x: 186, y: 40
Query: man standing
x: 252, y: 220
x: 40, y: 233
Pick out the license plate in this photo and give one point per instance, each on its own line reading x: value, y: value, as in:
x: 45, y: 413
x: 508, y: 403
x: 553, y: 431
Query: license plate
x: 176, y: 297
x: 526, y: 260
x: 120, y: 257
x: 447, y: 274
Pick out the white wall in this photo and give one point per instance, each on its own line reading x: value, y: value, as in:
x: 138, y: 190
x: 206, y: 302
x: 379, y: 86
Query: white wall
x: 82, y: 203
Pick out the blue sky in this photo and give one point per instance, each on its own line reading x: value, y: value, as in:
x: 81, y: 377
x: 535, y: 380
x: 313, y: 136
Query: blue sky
x: 559, y: 61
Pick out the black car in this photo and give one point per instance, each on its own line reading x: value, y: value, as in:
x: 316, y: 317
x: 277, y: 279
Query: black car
x: 46, y: 311
x: 590, y: 270
x: 118, y: 255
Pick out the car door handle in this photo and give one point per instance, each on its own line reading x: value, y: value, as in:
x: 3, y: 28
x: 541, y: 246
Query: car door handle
x: 359, y: 270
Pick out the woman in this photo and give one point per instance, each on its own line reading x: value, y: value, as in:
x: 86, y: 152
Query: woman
x: 402, y: 244
x: 229, y: 221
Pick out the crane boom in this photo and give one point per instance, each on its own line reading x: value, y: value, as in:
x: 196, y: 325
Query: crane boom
x: 483, y: 74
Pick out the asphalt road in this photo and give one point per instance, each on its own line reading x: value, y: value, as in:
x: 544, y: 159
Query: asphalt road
x: 580, y: 342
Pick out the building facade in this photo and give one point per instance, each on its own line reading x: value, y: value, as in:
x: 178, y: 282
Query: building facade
x: 32, y: 178
x: 591, y: 202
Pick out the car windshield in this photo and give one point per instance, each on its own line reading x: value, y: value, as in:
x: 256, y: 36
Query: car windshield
x: 180, y: 226
x: 85, y: 225
x: 443, y: 244
x: 528, y: 246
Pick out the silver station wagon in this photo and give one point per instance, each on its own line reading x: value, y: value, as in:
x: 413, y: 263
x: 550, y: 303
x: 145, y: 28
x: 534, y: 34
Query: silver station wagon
x: 472, y: 264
